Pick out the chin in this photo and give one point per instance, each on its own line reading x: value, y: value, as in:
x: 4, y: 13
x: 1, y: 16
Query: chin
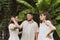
x: 41, y: 19
x: 29, y: 20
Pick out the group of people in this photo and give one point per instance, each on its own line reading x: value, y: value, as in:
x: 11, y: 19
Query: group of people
x: 31, y: 31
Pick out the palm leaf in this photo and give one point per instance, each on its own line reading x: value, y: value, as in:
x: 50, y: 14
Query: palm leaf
x: 25, y: 3
x: 58, y: 17
x: 58, y: 1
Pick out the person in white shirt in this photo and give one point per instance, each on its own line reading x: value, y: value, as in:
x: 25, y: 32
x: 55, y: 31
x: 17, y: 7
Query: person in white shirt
x: 30, y: 28
x: 46, y: 28
x: 13, y: 29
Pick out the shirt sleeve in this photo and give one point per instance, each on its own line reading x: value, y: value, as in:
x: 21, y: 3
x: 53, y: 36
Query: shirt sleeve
x: 36, y: 27
x: 11, y: 26
x: 50, y: 24
x: 21, y: 25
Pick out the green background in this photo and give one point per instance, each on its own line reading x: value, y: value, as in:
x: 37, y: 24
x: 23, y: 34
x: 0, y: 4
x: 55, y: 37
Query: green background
x: 22, y: 7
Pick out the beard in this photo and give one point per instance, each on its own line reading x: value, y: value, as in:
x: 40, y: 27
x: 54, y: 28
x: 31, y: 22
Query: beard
x: 29, y: 19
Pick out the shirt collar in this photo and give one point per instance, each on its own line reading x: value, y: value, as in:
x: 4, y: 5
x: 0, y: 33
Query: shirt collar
x: 30, y: 21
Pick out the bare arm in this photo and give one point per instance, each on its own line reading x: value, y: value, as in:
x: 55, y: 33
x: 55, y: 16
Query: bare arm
x: 20, y: 33
x: 37, y: 35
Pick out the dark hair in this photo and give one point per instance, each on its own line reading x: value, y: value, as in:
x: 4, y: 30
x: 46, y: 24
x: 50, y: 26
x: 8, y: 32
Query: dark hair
x: 47, y: 15
x: 30, y: 13
x: 10, y: 19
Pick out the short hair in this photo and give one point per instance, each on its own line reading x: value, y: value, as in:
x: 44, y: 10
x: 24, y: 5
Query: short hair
x: 30, y: 13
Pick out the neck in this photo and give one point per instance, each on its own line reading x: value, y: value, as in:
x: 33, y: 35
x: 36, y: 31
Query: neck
x: 30, y: 21
x: 43, y: 20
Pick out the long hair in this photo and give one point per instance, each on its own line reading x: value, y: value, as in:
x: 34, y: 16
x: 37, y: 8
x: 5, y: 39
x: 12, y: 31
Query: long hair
x: 47, y: 15
x: 10, y: 21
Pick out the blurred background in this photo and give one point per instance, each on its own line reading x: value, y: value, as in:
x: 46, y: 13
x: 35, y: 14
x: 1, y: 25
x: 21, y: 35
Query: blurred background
x: 22, y: 7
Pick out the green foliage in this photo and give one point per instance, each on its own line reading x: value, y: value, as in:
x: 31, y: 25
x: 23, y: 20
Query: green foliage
x: 52, y: 6
x: 58, y: 17
x: 58, y: 29
x: 25, y: 3
x: 6, y: 10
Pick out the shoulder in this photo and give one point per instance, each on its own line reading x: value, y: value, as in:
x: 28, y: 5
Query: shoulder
x: 24, y: 21
x: 48, y: 21
x: 11, y: 24
x: 35, y: 23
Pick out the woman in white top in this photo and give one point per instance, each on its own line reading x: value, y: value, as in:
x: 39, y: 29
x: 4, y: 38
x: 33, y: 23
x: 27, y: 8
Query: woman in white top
x: 46, y: 28
x: 13, y: 29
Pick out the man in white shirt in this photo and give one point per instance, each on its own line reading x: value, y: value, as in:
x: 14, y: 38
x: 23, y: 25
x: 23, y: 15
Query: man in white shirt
x: 30, y: 28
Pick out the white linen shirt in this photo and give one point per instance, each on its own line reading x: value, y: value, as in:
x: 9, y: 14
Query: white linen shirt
x: 29, y: 30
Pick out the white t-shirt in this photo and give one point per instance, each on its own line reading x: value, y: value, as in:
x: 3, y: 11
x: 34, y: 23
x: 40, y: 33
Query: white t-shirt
x: 13, y: 33
x: 29, y: 30
x: 44, y: 30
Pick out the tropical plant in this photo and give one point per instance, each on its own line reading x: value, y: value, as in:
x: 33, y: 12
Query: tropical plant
x: 52, y: 6
x: 9, y: 7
